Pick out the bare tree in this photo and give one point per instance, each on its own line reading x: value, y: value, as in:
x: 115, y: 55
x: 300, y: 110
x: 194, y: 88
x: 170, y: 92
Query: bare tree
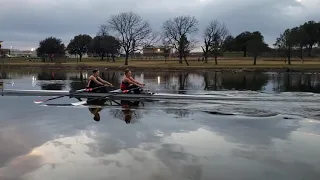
x: 177, y: 30
x: 132, y: 31
x: 214, y: 36
x: 166, y: 48
x: 103, y: 30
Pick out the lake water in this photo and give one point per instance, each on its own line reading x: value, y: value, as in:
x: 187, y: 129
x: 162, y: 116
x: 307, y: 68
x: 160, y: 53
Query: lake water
x: 275, y: 134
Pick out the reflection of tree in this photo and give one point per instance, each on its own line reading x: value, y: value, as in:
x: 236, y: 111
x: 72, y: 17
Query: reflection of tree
x: 297, y: 83
x: 111, y: 77
x: 77, y: 82
x: 3, y: 74
x: 237, y: 81
x: 48, y: 76
x: 166, y: 80
x: 244, y: 81
x: 178, y: 86
x: 211, y: 81
x: 126, y: 114
x: 183, y: 82
x: 180, y: 83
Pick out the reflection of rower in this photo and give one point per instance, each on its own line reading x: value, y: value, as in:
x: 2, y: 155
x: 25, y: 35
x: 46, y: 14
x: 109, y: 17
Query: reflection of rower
x: 95, y: 112
x: 126, y: 109
x: 128, y: 82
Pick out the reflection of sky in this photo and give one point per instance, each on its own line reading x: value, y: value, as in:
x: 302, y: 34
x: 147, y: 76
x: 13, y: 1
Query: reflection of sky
x: 266, y: 140
x: 64, y: 143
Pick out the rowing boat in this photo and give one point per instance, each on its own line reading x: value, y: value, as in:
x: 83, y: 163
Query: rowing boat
x: 147, y: 96
x: 116, y: 94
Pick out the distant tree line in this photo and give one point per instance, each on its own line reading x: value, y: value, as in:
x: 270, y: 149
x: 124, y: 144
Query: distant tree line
x: 128, y: 33
x: 305, y: 36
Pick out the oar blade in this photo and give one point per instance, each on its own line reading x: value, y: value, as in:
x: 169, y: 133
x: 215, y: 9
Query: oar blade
x: 38, y: 102
x: 79, y: 103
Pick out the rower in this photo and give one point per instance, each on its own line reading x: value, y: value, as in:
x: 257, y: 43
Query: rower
x: 128, y: 82
x: 95, y: 81
x: 126, y: 105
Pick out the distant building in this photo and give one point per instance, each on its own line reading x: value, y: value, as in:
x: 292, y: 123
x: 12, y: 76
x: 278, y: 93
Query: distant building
x: 5, y: 52
x: 76, y: 55
x: 155, y: 51
x: 22, y: 53
x: 19, y: 53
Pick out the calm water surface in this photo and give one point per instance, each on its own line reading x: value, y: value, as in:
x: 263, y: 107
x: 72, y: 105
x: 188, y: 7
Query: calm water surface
x: 275, y: 134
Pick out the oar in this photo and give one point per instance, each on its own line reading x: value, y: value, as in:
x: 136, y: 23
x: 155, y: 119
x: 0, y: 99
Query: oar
x: 84, y: 102
x: 79, y: 91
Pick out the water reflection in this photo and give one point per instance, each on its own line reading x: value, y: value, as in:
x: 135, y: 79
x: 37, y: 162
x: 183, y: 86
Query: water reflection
x: 124, y: 109
x: 46, y: 76
x: 58, y: 142
x: 127, y: 114
x: 243, y: 81
x: 95, y: 111
x: 78, y: 81
x: 297, y: 83
x: 180, y: 82
x: 3, y: 74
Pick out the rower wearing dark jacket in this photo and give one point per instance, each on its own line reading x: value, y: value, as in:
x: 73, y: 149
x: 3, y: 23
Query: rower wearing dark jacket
x: 128, y: 82
x: 95, y: 81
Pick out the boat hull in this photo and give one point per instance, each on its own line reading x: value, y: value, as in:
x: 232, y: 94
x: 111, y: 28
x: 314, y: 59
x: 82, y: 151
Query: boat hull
x: 116, y: 95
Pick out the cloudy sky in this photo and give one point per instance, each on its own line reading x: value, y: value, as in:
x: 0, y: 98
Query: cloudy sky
x: 23, y: 23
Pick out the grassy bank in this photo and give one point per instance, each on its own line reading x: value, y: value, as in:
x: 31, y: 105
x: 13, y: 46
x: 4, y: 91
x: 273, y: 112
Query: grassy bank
x: 245, y: 64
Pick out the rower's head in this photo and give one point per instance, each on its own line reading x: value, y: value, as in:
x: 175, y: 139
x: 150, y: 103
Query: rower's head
x: 127, y: 72
x: 95, y: 112
x: 96, y: 117
x: 127, y: 118
x: 95, y: 72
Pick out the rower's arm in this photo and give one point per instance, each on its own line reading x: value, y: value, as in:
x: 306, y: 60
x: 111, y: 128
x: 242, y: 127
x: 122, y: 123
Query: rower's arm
x: 130, y: 78
x: 105, y: 82
x: 96, y: 81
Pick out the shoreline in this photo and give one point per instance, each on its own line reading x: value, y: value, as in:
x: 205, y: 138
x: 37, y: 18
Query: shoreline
x: 217, y: 68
